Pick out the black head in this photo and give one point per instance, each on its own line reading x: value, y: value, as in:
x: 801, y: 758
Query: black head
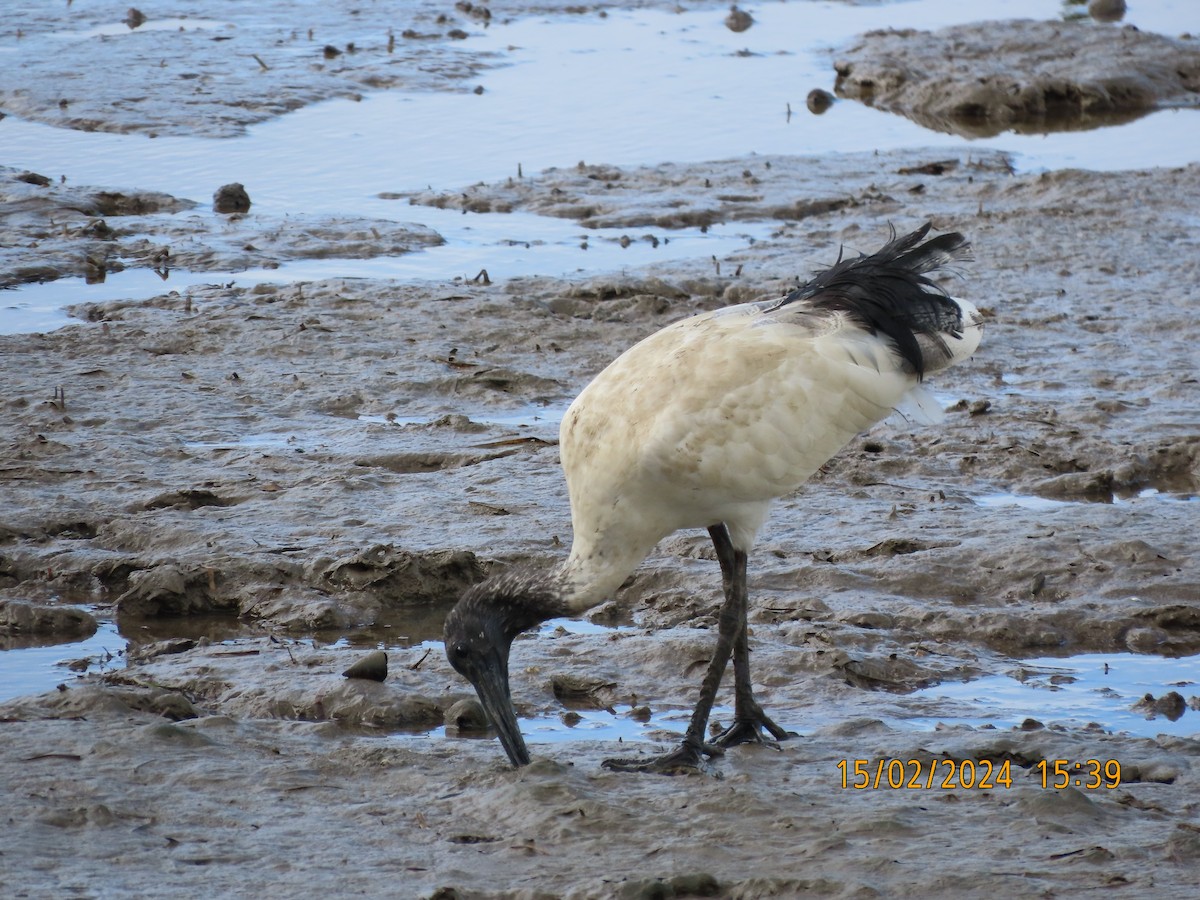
x: 479, y: 632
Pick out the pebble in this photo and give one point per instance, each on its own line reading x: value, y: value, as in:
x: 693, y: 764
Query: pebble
x: 231, y: 198
x: 373, y: 666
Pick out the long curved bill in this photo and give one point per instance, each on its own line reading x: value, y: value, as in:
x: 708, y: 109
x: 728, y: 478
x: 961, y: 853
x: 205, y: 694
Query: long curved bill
x: 494, y: 695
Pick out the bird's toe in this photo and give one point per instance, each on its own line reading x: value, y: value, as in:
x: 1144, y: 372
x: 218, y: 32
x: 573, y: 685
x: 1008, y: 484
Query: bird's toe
x: 686, y: 759
x: 753, y: 731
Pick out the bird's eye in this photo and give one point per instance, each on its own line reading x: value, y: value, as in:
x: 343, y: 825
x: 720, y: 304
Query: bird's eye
x: 460, y: 651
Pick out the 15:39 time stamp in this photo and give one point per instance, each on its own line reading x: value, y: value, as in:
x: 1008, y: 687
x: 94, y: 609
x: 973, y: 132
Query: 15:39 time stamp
x: 1088, y: 774
x: 968, y: 774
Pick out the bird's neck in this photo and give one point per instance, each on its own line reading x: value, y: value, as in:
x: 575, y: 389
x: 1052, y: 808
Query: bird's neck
x: 598, y: 566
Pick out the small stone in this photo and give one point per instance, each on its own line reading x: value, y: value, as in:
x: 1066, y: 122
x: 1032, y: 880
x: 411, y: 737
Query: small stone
x: 819, y: 101
x: 466, y: 717
x: 135, y: 18
x: 738, y: 20
x: 373, y: 666
x: 231, y: 198
x: 1107, y: 10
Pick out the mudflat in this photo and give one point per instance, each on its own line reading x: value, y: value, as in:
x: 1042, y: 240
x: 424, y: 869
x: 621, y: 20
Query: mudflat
x: 318, y: 468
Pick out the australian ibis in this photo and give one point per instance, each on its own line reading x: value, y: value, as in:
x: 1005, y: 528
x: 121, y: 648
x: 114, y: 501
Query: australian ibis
x: 702, y: 425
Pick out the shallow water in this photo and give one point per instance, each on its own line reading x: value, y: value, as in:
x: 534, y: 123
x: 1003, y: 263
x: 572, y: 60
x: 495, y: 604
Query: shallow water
x: 618, y: 723
x: 1099, y: 689
x: 1073, y: 691
x: 38, y: 668
x: 1184, y: 493
x: 504, y: 245
x: 634, y: 87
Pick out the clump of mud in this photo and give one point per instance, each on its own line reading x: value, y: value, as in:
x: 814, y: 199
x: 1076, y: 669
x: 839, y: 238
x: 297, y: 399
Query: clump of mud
x: 986, y: 78
x: 21, y: 621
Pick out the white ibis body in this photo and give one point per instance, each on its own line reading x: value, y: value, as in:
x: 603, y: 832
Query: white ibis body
x: 702, y: 425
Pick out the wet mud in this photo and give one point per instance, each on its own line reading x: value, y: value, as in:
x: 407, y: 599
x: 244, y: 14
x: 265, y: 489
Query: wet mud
x: 1027, y: 76
x: 54, y: 230
x: 265, y: 484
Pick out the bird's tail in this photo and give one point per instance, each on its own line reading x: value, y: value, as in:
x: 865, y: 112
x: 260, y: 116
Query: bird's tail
x: 889, y: 293
x: 921, y: 258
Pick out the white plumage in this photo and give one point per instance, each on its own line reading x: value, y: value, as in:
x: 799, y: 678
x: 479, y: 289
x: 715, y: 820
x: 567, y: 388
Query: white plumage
x: 712, y: 418
x: 702, y: 425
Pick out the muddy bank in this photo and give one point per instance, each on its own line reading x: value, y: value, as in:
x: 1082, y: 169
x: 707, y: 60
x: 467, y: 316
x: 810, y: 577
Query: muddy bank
x: 786, y: 189
x: 56, y: 230
x: 26, y: 624
x: 225, y: 68
x: 278, y: 433
x: 983, y: 79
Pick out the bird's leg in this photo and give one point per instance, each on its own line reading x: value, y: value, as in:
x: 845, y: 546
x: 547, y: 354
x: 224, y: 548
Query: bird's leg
x: 689, y: 756
x: 748, y: 716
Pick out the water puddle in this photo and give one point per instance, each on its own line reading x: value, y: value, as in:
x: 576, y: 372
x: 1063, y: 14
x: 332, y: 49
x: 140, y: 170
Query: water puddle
x: 1122, y: 692
x: 33, y: 667
x: 412, y: 629
x: 1168, y: 490
x: 505, y: 245
x: 1156, y: 495
x: 581, y: 626
x: 1107, y: 689
x: 1024, y: 501
x: 620, y: 723
x: 36, y: 664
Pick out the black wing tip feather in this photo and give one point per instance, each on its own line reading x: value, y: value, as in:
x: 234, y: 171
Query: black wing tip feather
x: 888, y: 292
x: 927, y: 257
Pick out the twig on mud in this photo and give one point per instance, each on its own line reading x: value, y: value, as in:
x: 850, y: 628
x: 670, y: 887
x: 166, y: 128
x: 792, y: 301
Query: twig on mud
x: 286, y: 646
x: 73, y: 757
x: 417, y: 664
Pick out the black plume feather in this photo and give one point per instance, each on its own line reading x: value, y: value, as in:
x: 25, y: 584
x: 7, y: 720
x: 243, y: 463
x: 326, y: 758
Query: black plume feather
x: 888, y: 293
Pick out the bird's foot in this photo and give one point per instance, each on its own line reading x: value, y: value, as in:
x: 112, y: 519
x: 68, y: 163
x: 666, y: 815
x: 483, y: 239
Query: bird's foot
x: 749, y: 730
x: 687, y: 759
